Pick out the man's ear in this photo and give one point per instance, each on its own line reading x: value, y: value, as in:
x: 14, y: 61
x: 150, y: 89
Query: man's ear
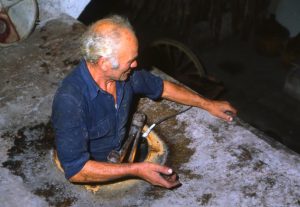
x: 103, y: 63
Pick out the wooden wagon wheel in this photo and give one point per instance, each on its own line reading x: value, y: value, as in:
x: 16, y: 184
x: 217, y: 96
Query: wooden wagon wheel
x: 175, y: 58
x: 178, y: 61
x: 17, y: 20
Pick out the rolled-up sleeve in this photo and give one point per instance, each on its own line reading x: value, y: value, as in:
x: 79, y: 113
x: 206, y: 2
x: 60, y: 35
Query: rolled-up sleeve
x: 145, y: 83
x: 70, y: 133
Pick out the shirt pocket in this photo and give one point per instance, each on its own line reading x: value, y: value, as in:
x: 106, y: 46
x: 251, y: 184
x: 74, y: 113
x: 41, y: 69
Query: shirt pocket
x: 102, y: 129
x: 101, y: 138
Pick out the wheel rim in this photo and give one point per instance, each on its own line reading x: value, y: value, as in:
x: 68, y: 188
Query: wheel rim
x: 19, y: 18
x: 175, y: 58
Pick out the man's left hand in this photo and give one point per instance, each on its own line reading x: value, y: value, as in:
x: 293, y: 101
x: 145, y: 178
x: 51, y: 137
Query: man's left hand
x: 222, y: 109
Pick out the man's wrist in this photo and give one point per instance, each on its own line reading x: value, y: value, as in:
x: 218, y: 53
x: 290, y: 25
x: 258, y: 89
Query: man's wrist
x: 134, y: 169
x: 205, y: 103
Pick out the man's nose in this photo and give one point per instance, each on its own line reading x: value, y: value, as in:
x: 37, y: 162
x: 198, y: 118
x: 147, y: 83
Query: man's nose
x: 134, y: 64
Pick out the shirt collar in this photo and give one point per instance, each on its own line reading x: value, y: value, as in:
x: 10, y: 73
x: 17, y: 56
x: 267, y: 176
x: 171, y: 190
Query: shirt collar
x: 93, y: 88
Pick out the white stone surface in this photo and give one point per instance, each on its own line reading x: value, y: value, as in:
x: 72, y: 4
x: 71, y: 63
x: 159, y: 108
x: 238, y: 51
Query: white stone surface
x: 13, y: 192
x: 54, y: 8
x: 238, y: 167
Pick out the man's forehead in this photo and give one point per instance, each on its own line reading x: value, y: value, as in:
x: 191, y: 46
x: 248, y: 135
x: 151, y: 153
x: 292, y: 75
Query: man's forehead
x: 104, y: 26
x: 126, y: 37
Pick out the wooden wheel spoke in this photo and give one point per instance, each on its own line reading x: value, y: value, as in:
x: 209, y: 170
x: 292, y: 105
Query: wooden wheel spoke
x: 191, y: 73
x: 177, y: 58
x: 185, y: 66
x: 169, y: 53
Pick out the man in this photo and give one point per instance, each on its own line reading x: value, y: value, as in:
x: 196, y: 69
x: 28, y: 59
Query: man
x: 92, y: 106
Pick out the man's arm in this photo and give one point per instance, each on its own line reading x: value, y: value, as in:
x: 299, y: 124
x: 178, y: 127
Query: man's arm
x: 180, y: 94
x: 94, y: 171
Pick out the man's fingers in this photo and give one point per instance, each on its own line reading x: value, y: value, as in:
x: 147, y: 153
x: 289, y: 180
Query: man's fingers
x: 227, y: 112
x: 223, y: 110
x: 170, y: 181
x: 229, y: 115
x: 173, y: 177
x: 164, y: 170
x: 231, y: 110
x: 160, y: 175
x: 166, y: 177
x: 173, y: 184
x: 224, y: 115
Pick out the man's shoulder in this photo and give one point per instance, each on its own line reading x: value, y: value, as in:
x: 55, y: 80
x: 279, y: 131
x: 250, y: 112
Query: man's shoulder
x: 139, y: 73
x: 72, y: 85
x: 142, y: 74
x: 144, y: 82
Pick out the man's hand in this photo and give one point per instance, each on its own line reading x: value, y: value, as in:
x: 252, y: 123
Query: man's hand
x: 158, y: 175
x: 222, y: 109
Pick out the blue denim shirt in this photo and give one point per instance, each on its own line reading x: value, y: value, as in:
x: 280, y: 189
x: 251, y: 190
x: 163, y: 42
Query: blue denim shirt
x: 87, y: 123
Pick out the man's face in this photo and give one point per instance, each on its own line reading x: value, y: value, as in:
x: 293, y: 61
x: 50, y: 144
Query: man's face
x: 126, y: 56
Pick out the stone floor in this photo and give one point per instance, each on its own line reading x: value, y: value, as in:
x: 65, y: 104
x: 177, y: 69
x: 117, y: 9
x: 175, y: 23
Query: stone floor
x: 219, y: 163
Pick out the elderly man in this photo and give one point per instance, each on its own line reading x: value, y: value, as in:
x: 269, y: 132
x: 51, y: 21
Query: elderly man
x: 91, y: 108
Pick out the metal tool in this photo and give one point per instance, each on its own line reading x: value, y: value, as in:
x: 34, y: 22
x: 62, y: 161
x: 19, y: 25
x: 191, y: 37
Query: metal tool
x: 134, y: 147
x: 137, y: 125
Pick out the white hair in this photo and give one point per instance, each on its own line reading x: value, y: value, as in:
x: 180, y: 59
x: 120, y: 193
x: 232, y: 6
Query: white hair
x: 104, y: 44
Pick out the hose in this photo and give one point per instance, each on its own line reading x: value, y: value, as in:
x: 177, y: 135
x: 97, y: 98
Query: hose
x: 147, y: 132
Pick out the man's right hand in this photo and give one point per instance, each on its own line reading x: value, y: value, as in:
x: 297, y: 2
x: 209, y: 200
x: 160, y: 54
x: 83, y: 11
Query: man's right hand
x: 157, y: 175
x: 94, y: 171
